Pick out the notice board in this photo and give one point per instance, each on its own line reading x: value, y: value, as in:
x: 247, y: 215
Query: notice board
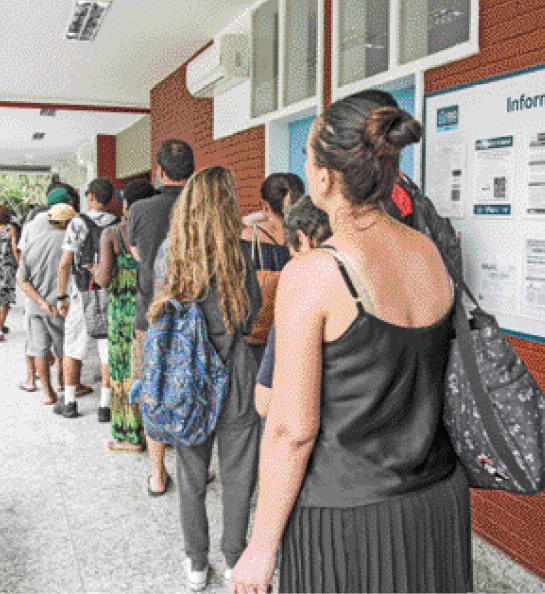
x: 484, y: 167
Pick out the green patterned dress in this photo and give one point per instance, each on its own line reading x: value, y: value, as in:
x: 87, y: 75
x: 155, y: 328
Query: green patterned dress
x: 126, y: 420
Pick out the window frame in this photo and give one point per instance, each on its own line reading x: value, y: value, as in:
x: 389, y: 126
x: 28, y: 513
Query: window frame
x: 396, y: 70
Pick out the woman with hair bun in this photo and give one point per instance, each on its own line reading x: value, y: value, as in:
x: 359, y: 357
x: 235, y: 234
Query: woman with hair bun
x: 359, y: 483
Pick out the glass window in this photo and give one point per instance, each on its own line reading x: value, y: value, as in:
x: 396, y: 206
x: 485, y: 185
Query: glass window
x: 363, y: 39
x: 430, y: 26
x: 301, y: 49
x: 265, y: 58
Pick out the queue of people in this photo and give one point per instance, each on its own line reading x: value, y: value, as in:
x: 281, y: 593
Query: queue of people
x: 335, y: 319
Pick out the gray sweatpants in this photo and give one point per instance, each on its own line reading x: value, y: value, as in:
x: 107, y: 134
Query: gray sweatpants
x: 238, y: 451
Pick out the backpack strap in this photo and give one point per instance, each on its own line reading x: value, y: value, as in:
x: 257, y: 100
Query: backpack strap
x: 267, y: 234
x: 351, y: 278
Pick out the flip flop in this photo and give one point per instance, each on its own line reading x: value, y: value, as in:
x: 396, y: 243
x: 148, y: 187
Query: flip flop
x: 153, y: 493
x: 22, y: 386
x: 123, y: 446
x: 211, y: 476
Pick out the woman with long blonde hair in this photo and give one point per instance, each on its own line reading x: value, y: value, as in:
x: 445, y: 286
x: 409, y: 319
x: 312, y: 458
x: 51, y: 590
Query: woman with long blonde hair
x: 204, y: 261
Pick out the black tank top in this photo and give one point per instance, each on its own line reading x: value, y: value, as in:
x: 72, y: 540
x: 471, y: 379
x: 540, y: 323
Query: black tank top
x: 381, y: 432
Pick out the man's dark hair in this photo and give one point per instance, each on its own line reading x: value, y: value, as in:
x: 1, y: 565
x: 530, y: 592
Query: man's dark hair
x: 137, y: 189
x: 175, y: 157
x: 102, y: 189
x: 310, y: 220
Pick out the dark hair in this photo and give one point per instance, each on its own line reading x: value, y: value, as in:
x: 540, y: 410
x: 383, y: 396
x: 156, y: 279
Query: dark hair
x: 363, y: 141
x: 70, y: 190
x: 102, y: 189
x: 274, y: 189
x: 137, y: 189
x: 176, y: 159
x: 5, y: 216
x: 311, y: 220
x: 297, y: 189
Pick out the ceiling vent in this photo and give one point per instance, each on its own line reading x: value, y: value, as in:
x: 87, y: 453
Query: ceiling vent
x: 38, y: 136
x: 48, y: 112
x: 220, y: 67
x: 86, y: 20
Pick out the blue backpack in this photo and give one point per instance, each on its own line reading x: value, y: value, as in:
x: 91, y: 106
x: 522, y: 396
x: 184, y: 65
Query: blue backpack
x: 184, y: 382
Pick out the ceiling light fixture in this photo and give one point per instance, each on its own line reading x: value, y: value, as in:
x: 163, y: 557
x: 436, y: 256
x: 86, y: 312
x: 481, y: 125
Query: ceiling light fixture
x: 48, y: 112
x: 38, y: 136
x: 86, y: 20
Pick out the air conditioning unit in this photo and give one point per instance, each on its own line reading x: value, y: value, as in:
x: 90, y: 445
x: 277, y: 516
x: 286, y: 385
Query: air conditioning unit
x: 221, y: 67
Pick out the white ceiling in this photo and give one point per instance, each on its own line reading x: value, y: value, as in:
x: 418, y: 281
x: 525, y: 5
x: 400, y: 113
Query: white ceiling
x: 64, y: 133
x: 138, y: 45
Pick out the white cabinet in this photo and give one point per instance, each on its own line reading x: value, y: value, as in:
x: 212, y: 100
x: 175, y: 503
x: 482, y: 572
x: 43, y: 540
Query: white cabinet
x: 300, y: 50
x: 285, y: 45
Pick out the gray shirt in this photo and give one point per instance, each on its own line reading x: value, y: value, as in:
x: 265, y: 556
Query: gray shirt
x: 39, y: 266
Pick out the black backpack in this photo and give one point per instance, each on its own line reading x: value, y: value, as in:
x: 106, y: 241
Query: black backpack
x: 425, y: 218
x: 89, y: 251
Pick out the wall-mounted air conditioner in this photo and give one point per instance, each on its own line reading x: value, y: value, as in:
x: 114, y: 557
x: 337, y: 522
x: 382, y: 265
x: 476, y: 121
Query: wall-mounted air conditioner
x: 220, y: 67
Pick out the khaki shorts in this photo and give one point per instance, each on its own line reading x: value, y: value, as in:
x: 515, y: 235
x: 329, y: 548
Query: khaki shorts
x: 44, y: 331
x: 76, y: 339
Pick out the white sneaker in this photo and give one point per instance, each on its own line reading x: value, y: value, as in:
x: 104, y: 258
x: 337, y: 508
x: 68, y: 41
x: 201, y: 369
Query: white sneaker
x: 227, y: 574
x: 197, y: 579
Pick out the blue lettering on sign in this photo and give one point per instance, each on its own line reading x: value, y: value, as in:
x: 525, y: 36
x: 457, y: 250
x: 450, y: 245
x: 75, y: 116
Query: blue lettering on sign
x: 448, y: 118
x: 492, y: 209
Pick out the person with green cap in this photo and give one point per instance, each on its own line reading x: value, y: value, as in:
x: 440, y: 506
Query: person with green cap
x: 34, y: 229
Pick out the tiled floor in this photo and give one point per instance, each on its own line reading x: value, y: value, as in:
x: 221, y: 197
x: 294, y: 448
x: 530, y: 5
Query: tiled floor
x: 75, y: 517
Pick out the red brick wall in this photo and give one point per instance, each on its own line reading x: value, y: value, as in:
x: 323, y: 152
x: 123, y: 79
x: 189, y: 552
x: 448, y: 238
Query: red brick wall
x: 177, y: 114
x: 106, y: 165
x: 512, y: 36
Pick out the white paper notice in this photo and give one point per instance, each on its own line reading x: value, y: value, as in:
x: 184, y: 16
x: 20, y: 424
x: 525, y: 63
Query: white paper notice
x: 494, y: 174
x: 497, y: 286
x: 534, y: 277
x: 446, y: 176
x: 535, y: 197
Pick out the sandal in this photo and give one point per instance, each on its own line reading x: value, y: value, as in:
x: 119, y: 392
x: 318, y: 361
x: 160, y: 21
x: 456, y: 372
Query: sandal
x: 153, y: 493
x: 125, y: 446
x: 25, y: 388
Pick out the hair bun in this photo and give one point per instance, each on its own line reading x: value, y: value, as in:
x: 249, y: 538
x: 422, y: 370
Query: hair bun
x: 403, y: 130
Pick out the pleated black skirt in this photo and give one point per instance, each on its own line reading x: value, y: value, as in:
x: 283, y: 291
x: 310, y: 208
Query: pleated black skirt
x: 419, y: 542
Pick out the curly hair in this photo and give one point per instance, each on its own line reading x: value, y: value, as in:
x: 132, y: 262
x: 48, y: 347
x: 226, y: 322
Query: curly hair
x: 203, y: 241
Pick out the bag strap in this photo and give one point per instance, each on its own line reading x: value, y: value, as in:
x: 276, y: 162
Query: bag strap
x: 351, y: 278
x: 124, y: 250
x: 456, y: 277
x: 256, y: 243
x: 482, y: 399
x: 267, y: 234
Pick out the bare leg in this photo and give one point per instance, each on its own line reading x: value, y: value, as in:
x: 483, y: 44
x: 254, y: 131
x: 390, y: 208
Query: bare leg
x: 158, y: 469
x: 30, y: 382
x: 71, y: 371
x: 4, y: 310
x: 105, y: 370
x: 60, y: 372
x: 42, y: 365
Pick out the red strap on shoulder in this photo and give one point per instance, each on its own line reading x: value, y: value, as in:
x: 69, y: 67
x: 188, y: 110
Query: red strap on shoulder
x: 402, y: 201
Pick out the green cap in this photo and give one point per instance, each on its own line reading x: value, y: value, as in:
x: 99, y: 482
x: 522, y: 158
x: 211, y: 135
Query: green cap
x: 58, y: 196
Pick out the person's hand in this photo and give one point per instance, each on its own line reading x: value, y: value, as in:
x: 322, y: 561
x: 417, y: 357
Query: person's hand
x: 254, y: 571
x: 63, y: 307
x: 50, y: 309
